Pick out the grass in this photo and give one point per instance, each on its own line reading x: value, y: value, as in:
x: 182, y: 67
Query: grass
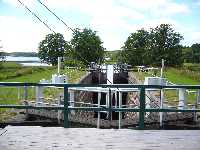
x: 12, y: 72
x: 141, y: 75
x: 186, y: 75
x: 182, y: 76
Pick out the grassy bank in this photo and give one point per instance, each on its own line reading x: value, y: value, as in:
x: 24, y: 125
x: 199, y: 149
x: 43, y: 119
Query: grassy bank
x: 12, y: 72
x: 185, y: 75
x: 189, y: 74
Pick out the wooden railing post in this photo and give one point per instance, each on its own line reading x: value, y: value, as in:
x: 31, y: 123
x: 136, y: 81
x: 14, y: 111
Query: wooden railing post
x: 66, y: 110
x: 142, y: 108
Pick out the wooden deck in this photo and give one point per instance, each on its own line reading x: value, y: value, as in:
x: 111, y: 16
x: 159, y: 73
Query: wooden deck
x: 53, y: 138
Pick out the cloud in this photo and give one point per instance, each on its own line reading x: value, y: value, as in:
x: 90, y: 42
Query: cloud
x: 174, y: 8
x: 163, y: 7
x: 11, y: 2
x: 195, y: 37
x: 20, y: 34
x: 113, y: 19
x: 191, y: 38
x: 107, y: 17
x: 16, y: 2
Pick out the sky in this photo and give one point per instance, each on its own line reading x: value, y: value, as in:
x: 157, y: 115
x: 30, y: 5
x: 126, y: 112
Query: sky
x: 114, y: 20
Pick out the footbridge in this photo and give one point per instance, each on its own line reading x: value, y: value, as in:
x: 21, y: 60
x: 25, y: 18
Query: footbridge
x: 105, y: 98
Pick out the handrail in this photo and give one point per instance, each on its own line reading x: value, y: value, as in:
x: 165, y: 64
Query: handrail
x: 100, y: 85
x: 142, y: 109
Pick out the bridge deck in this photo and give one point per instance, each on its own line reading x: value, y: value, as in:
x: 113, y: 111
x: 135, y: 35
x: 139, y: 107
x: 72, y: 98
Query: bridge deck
x: 35, y: 137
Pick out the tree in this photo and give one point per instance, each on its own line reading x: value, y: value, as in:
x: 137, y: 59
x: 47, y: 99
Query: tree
x: 187, y: 54
x: 135, y: 49
x: 52, y: 47
x: 195, y: 53
x: 149, y: 48
x: 87, y: 46
x: 165, y: 44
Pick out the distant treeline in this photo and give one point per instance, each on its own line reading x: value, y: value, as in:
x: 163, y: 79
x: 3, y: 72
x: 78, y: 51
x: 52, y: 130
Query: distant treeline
x: 22, y: 54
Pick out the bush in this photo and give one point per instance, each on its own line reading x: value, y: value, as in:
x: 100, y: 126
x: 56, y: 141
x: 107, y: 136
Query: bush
x: 192, y: 67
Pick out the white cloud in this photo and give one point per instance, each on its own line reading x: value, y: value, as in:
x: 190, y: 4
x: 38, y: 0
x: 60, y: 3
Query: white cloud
x: 144, y: 4
x: 16, y: 2
x: 20, y: 34
x: 114, y: 20
x: 159, y: 7
x: 11, y: 2
x: 108, y: 18
x: 191, y: 37
x: 174, y: 8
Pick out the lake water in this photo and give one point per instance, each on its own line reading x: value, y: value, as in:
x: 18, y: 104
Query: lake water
x: 22, y: 59
x: 26, y: 61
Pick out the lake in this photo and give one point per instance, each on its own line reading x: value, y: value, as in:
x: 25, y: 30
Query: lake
x: 26, y: 61
x: 22, y: 59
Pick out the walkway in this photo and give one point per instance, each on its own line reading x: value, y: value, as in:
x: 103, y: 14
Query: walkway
x: 58, y: 138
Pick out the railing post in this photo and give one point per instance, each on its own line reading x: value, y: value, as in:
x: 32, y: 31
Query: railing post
x: 110, y: 106
x: 66, y: 110
x: 196, y: 105
x: 18, y: 92
x: 161, y: 106
x: 99, y: 113
x: 59, y: 111
x: 25, y: 92
x: 120, y: 106
x: 25, y: 99
x: 142, y: 108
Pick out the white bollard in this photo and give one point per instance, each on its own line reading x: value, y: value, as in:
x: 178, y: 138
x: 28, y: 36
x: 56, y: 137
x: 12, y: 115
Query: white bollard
x: 182, y: 98
x: 161, y: 106
x: 39, y: 94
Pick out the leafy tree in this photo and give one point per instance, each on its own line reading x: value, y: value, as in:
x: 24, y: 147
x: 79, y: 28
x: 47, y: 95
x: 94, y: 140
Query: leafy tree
x: 87, y: 46
x: 135, y: 49
x: 149, y: 48
x: 69, y: 58
x: 165, y: 44
x: 52, y: 47
x: 187, y: 54
x: 195, y: 53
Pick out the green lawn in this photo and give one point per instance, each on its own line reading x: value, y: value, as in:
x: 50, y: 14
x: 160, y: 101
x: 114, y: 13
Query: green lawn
x: 181, y: 76
x: 12, y: 72
x: 175, y: 75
